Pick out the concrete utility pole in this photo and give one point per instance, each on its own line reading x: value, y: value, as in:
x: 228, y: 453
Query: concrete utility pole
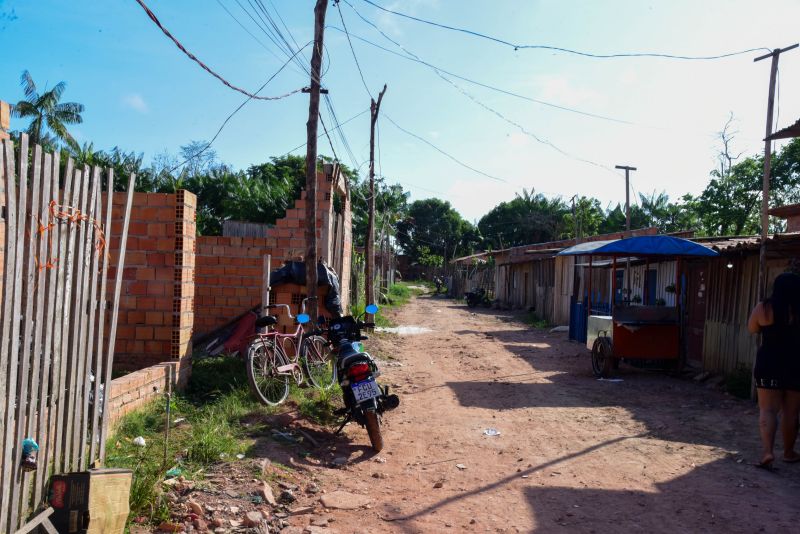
x: 369, y: 248
x: 627, y: 170
x: 762, y: 257
x: 311, y: 158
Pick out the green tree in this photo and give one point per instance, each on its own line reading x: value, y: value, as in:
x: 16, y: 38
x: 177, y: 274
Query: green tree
x: 528, y: 218
x: 391, y: 206
x: 589, y: 216
x: 47, y: 113
x: 433, y: 233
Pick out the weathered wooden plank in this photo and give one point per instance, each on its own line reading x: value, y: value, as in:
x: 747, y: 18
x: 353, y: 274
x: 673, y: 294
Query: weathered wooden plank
x: 10, y: 323
x: 73, y: 327
x: 89, y: 388
x: 81, y: 319
x: 99, y: 354
x: 27, y: 212
x: 123, y: 243
x: 50, y: 314
x: 60, y: 338
x: 40, y: 520
x: 38, y: 244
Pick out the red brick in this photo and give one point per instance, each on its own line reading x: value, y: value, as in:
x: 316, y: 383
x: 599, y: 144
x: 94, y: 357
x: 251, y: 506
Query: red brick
x: 144, y: 332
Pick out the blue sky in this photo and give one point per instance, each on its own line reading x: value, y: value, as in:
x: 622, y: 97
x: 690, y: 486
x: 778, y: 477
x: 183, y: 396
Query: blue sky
x: 141, y: 93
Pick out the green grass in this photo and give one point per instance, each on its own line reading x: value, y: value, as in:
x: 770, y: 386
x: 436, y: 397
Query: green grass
x: 317, y: 405
x: 215, y: 405
x: 535, y: 321
x: 398, y: 295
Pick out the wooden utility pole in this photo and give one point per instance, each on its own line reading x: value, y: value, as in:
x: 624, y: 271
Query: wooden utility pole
x: 311, y: 158
x: 369, y: 248
x: 627, y: 170
x: 762, y: 257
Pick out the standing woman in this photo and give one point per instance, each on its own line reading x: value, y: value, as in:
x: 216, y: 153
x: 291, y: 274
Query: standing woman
x: 777, y: 369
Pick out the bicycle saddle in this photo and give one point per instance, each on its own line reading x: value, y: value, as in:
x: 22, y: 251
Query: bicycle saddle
x: 267, y: 320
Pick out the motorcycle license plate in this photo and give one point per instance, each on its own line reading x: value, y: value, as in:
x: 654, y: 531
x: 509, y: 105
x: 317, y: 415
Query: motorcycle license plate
x: 365, y: 390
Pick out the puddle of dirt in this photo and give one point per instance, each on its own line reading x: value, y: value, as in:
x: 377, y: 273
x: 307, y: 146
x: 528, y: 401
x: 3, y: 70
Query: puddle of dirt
x: 404, y: 330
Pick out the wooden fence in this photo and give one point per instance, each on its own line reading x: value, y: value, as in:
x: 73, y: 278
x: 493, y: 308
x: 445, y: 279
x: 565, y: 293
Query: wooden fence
x: 57, y: 345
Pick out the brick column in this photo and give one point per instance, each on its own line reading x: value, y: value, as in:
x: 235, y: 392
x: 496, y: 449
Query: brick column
x: 183, y: 291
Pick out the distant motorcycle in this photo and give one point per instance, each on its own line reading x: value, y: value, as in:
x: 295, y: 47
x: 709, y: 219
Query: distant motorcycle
x: 439, y: 283
x: 477, y: 297
x: 365, y: 401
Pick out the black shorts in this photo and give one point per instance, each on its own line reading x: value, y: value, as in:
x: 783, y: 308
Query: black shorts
x: 776, y: 383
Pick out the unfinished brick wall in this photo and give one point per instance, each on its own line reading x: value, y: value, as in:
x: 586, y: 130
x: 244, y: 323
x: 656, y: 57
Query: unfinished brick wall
x: 229, y: 270
x: 156, y: 301
x: 136, y: 389
x: 168, y: 267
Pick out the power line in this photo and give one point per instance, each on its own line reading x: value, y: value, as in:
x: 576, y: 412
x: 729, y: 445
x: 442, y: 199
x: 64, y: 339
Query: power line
x: 410, y: 56
x: 325, y: 129
x: 477, y: 101
x: 234, y: 112
x: 560, y: 49
x: 298, y: 147
x: 360, y: 73
x: 259, y: 41
x: 473, y: 169
x: 413, y: 57
x: 203, y: 65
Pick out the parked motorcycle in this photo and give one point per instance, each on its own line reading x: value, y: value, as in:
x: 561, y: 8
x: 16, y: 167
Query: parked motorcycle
x: 365, y: 401
x: 477, y: 297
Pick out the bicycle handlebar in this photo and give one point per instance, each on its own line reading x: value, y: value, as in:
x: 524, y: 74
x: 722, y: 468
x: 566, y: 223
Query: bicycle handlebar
x: 289, y: 309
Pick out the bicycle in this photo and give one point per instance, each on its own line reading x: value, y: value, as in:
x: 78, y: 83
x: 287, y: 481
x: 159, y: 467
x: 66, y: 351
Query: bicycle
x: 273, y: 357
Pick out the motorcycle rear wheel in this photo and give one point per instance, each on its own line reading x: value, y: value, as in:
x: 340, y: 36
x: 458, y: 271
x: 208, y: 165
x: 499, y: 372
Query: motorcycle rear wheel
x: 373, y: 424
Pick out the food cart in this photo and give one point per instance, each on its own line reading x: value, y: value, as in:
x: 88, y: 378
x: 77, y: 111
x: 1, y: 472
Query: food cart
x: 640, y: 334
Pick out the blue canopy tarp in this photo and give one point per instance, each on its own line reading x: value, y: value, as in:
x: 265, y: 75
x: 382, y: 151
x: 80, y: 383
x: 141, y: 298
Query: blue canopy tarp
x: 652, y: 245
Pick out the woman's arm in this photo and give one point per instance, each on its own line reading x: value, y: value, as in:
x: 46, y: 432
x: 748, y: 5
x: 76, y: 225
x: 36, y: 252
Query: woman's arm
x: 757, y: 319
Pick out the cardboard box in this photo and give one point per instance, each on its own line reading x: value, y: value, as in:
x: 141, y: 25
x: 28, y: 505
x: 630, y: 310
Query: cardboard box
x: 91, y: 502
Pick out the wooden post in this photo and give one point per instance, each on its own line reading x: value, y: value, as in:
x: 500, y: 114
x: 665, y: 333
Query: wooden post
x: 265, y: 288
x: 613, y: 285
x: 627, y: 169
x: 112, y: 336
x: 762, y: 256
x: 589, y: 307
x: 369, y: 246
x: 311, y: 158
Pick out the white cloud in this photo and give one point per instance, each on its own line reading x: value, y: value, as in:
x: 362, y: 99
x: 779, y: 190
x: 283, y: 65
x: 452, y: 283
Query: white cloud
x: 135, y: 102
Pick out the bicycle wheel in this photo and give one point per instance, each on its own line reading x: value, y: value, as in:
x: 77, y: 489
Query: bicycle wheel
x: 267, y: 385
x: 319, y: 361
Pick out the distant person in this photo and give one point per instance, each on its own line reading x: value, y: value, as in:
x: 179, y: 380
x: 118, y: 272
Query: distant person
x: 777, y: 370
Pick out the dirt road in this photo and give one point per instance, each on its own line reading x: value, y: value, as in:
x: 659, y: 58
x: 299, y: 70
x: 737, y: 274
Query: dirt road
x: 649, y: 453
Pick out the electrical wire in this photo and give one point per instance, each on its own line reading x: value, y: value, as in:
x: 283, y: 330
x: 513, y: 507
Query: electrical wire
x: 516, y: 46
x: 458, y: 161
x: 298, y: 147
x: 234, y: 112
x: 352, y: 50
x: 325, y: 129
x: 259, y: 41
x: 410, y: 56
x: 203, y: 65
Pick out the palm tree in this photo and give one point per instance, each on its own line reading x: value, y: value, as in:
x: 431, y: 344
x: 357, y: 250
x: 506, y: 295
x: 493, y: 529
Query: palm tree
x: 47, y: 113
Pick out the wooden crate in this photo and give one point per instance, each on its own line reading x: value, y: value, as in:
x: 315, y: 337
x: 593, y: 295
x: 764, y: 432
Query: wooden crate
x: 91, y: 502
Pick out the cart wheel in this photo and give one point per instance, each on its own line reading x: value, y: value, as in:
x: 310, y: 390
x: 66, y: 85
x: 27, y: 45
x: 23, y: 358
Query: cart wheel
x: 602, y: 357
